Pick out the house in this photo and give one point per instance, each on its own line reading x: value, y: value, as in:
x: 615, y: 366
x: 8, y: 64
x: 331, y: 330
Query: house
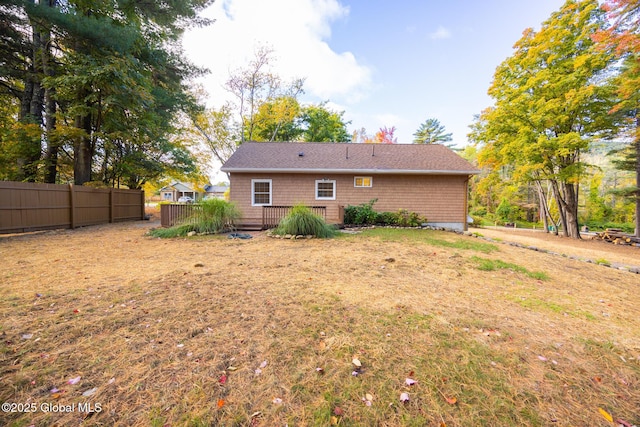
x: 215, y: 191
x: 171, y: 193
x: 429, y: 179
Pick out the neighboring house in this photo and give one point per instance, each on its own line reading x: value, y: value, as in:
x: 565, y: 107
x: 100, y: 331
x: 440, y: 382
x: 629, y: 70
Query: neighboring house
x: 429, y: 179
x: 171, y: 193
x: 215, y: 191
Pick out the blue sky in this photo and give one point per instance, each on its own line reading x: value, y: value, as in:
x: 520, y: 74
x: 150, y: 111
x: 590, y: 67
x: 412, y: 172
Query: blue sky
x: 385, y: 63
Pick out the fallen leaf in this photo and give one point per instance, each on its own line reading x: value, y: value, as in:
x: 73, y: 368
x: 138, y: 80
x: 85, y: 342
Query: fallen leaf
x: 232, y: 368
x: 356, y: 362
x: 334, y: 421
x: 338, y: 411
x: 369, y: 397
x: 597, y: 379
x: 222, y: 379
x: 404, y: 397
x: 90, y: 392
x: 607, y: 416
x: 410, y: 381
x: 220, y: 403
x: 623, y: 422
x: 73, y: 381
x: 451, y: 400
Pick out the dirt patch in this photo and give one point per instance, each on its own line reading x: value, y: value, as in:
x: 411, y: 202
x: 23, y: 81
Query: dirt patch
x: 175, y: 331
x: 586, y: 248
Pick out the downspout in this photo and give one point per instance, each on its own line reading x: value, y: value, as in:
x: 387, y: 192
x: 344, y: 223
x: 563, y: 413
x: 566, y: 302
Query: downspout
x: 465, y: 225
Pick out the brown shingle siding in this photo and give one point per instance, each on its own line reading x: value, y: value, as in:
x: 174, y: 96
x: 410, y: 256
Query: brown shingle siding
x: 439, y: 198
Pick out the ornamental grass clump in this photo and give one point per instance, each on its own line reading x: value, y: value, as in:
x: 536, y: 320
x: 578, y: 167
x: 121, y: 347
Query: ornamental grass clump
x: 210, y: 216
x: 301, y: 221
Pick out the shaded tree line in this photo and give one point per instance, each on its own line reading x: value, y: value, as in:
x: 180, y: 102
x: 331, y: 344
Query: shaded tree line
x: 89, y: 91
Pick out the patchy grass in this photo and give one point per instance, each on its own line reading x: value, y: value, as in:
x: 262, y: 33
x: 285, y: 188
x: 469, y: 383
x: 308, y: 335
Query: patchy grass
x: 485, y: 264
x: 431, y: 238
x: 264, y: 333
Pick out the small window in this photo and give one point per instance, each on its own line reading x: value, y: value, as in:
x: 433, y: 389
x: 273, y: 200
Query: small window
x: 362, y: 181
x: 260, y: 192
x: 325, y: 190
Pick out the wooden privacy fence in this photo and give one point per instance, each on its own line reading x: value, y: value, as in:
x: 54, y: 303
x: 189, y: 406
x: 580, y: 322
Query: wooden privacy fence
x: 271, y: 215
x: 26, y: 206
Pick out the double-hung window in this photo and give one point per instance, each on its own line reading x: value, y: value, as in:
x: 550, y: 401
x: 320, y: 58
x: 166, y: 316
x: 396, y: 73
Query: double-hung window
x: 325, y: 189
x: 261, y: 191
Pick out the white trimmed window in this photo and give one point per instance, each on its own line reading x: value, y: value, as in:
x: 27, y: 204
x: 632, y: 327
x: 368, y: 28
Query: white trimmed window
x: 261, y: 192
x: 325, y: 189
x: 362, y: 181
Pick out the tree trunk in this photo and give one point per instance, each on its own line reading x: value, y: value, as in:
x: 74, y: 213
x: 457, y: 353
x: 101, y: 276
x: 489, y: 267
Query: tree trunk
x: 31, y: 110
x: 637, y: 154
x: 544, y: 209
x: 561, y: 210
x: 51, y: 154
x: 571, y: 205
x: 82, y: 149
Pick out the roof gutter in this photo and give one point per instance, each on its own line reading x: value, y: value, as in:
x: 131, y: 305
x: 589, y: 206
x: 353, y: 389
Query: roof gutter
x: 350, y: 171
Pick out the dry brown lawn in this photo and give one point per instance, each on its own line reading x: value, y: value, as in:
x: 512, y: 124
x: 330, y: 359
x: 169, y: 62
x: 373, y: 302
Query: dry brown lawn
x: 215, y: 331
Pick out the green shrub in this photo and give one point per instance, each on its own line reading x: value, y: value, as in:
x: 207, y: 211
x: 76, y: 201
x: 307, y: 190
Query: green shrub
x: 361, y: 214
x: 480, y: 211
x: 301, y: 221
x: 210, y: 217
x: 477, y: 221
x: 404, y: 218
x: 386, y: 218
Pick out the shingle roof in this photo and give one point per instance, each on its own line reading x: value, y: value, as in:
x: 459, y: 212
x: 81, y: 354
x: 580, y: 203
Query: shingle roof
x: 308, y: 157
x: 178, y: 186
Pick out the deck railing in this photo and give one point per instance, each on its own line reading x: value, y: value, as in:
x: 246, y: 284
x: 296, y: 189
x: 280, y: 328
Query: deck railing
x: 271, y: 215
x: 176, y: 213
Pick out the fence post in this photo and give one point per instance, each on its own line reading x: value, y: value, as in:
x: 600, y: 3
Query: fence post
x: 111, y: 205
x: 72, y: 210
x: 142, y: 213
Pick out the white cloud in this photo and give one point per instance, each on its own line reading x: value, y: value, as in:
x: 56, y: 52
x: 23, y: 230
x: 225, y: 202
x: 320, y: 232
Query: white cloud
x: 440, y: 33
x: 298, y: 31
